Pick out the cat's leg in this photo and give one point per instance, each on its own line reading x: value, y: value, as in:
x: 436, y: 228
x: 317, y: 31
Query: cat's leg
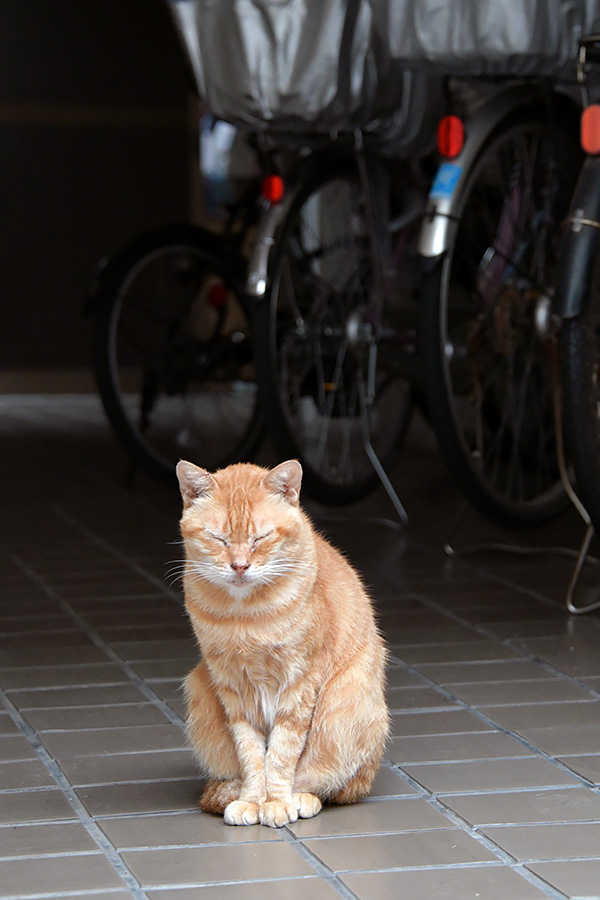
x: 232, y: 755
x: 251, y: 750
x: 287, y: 739
x: 208, y: 729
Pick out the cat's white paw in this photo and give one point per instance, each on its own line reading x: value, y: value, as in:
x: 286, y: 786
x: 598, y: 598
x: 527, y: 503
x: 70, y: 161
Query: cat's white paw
x: 308, y: 805
x: 241, y: 812
x: 277, y: 813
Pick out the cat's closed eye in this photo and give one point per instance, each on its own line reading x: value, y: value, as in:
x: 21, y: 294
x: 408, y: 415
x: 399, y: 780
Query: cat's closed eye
x: 220, y: 538
x: 257, y: 538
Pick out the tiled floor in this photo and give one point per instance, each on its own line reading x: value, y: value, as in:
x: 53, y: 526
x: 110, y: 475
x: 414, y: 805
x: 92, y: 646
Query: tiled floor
x: 491, y: 787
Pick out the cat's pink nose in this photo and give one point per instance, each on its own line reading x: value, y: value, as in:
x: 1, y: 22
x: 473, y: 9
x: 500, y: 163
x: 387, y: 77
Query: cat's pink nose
x: 239, y: 566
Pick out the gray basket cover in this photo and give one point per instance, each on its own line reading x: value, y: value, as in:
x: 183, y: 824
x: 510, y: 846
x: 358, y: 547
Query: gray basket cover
x: 323, y: 65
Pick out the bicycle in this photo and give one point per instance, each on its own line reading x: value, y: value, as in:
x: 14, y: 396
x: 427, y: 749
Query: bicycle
x: 172, y: 346
x: 335, y: 320
x: 577, y: 306
x: 488, y: 249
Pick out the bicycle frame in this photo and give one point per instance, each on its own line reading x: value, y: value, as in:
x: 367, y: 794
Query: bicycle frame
x: 579, y: 245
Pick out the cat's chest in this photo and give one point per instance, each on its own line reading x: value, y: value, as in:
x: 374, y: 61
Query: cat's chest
x: 261, y: 679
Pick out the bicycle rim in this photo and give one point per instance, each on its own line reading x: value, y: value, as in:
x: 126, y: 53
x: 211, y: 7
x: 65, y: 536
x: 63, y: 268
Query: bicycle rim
x: 174, y: 362
x: 487, y: 369
x: 330, y: 370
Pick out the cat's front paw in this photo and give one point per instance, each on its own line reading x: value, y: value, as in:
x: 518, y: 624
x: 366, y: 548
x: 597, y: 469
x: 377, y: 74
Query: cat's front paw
x: 308, y: 805
x: 277, y: 813
x: 241, y: 812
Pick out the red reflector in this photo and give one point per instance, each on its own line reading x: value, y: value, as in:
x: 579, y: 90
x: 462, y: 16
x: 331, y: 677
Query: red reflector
x: 217, y: 296
x: 450, y: 136
x: 590, y: 129
x: 272, y: 188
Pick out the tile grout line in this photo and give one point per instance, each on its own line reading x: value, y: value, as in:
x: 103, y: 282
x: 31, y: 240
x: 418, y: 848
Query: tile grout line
x: 91, y: 826
x: 322, y: 870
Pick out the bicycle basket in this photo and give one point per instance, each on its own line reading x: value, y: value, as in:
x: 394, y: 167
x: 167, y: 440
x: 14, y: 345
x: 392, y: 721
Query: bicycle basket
x: 486, y: 37
x: 298, y: 66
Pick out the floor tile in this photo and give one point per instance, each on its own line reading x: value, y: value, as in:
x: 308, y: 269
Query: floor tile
x: 210, y: 865
x: 59, y: 875
x: 50, y: 839
x: 539, y: 842
x: 553, y: 690
x: 389, y: 783
x: 16, y: 748
x: 51, y: 676
x: 396, y: 851
x: 88, y: 718
x: 431, y: 634
x: 457, y: 721
x: 490, y: 775
x: 372, y: 817
x: 114, y: 740
x: 134, y: 651
x: 578, y: 879
x: 399, y: 677
x: 561, y: 805
x: 457, y: 747
x: 459, y: 652
x: 530, y: 716
x: 156, y: 669
x: 558, y: 741
x: 131, y: 767
x: 487, y: 883
x: 34, y: 806
x: 52, y: 656
x: 122, y: 799
x: 588, y: 766
x: 479, y: 672
x: 76, y: 696
x: 291, y: 889
x: 24, y: 774
x: 180, y: 830
x: 417, y: 698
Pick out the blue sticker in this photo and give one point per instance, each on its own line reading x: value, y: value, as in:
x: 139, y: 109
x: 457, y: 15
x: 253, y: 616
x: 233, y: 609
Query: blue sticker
x: 445, y: 181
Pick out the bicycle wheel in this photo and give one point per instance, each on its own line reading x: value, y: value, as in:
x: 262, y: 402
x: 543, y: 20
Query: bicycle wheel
x: 486, y: 367
x: 580, y: 370
x: 172, y: 353
x: 328, y: 369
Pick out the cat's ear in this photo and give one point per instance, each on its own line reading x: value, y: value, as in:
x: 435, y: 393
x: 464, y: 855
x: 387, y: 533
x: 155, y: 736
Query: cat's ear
x: 194, y: 482
x: 285, y: 479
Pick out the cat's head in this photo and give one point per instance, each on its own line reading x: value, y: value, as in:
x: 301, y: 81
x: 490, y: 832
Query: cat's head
x: 241, y: 525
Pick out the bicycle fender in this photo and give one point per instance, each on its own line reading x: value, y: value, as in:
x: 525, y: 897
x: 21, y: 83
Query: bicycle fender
x: 258, y: 264
x: 579, y: 244
x: 446, y: 190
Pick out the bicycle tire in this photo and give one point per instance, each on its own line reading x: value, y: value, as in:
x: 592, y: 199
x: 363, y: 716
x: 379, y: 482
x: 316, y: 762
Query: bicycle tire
x: 311, y: 358
x: 580, y: 369
x: 486, y: 377
x: 172, y: 352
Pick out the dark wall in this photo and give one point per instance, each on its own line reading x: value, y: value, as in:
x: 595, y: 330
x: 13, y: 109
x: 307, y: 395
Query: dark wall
x: 96, y: 143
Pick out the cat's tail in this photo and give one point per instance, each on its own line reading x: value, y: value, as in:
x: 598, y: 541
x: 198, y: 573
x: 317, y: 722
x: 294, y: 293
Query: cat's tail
x: 219, y: 794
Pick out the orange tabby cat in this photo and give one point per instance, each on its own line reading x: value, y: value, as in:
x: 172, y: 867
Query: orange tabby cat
x: 286, y: 708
